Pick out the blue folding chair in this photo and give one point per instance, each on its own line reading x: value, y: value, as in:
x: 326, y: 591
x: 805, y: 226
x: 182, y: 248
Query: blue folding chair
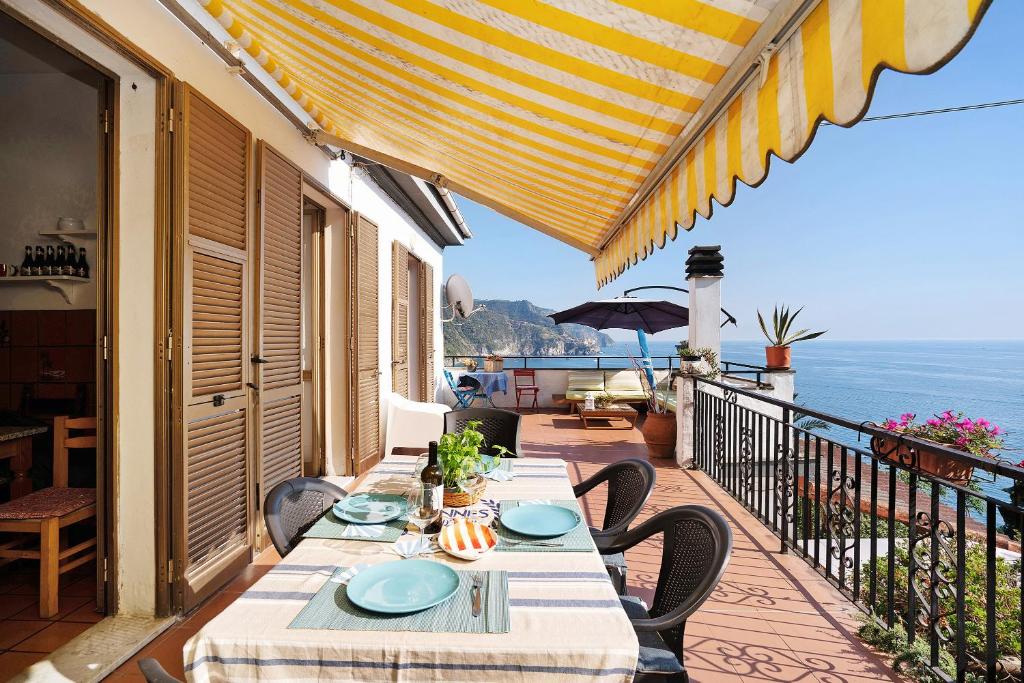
x: 465, y: 395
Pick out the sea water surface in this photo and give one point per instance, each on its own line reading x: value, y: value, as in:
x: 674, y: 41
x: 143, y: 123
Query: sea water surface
x: 874, y: 380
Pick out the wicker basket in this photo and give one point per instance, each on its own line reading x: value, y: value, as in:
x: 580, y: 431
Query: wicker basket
x: 474, y: 491
x: 494, y: 365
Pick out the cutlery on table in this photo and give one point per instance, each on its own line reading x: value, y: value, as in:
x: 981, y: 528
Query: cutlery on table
x: 478, y: 582
x: 546, y: 544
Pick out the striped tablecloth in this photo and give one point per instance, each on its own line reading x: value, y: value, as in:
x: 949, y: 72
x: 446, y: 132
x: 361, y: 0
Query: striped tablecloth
x: 566, y: 620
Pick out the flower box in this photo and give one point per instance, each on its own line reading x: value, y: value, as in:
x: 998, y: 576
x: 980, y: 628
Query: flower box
x: 494, y: 364
x: 931, y: 462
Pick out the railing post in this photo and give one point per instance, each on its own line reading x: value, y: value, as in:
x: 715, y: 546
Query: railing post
x: 686, y: 421
x: 784, y: 482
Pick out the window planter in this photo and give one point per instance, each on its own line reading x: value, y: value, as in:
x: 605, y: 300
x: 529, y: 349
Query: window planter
x: 931, y: 462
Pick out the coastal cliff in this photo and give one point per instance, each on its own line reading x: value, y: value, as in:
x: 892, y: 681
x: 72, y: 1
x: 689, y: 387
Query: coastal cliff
x: 518, y: 328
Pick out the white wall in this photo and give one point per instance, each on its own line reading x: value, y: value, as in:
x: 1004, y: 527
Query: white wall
x: 155, y: 31
x: 49, y: 168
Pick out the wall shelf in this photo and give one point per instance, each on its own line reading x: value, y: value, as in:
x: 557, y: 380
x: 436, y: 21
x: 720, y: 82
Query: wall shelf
x: 67, y: 285
x: 65, y: 235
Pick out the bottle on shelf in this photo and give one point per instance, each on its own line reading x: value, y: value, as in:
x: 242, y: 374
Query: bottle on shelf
x: 69, y: 261
x: 50, y: 265
x: 37, y: 262
x: 26, y: 263
x: 58, y: 263
x: 431, y: 477
x: 83, y: 265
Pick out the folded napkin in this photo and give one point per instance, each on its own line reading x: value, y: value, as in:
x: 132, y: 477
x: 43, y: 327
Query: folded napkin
x: 344, y: 576
x: 365, y: 531
x: 499, y: 475
x: 412, y: 545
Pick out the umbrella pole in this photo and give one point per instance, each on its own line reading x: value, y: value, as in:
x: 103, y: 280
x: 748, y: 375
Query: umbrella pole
x: 646, y: 363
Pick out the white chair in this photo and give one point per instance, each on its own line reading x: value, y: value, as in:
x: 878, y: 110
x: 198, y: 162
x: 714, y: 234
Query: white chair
x: 412, y: 424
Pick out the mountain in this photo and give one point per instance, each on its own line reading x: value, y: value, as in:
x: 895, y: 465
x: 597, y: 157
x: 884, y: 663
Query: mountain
x: 518, y: 328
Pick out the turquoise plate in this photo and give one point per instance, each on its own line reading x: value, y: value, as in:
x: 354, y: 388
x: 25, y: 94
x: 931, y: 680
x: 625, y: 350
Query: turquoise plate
x: 370, y: 508
x: 540, y: 521
x: 402, y: 587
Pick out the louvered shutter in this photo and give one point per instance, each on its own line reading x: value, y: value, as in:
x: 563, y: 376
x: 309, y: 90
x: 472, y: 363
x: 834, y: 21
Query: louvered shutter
x: 279, y: 325
x: 366, y: 364
x: 400, y: 319
x: 212, y: 477
x: 427, y: 331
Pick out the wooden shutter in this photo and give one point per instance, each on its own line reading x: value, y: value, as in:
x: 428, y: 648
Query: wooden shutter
x: 400, y: 319
x: 365, y: 395
x: 279, y: 324
x: 212, y: 478
x: 427, y: 331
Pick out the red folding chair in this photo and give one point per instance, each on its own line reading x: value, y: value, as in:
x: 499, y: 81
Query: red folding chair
x: 525, y: 383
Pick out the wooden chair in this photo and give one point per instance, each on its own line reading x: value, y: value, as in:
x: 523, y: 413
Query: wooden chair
x: 48, y: 511
x: 525, y: 383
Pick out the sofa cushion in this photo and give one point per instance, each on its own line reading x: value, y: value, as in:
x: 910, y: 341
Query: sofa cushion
x: 623, y: 381
x: 585, y: 380
x: 628, y: 395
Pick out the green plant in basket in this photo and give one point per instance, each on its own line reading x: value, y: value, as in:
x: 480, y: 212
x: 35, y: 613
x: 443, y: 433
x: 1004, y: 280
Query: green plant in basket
x: 460, y: 456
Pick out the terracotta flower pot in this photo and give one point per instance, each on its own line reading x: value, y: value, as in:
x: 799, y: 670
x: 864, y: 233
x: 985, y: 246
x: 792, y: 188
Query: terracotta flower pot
x: 659, y: 432
x: 777, y: 357
x: 931, y: 462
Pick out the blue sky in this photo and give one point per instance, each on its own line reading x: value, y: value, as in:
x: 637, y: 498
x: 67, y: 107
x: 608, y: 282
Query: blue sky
x: 906, y: 229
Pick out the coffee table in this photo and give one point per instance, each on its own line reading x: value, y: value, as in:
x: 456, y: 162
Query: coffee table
x: 615, y: 411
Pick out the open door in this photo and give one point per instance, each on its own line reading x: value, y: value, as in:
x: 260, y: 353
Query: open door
x: 277, y: 363
x: 426, y: 349
x: 400, y: 319
x: 365, y: 395
x: 211, y: 470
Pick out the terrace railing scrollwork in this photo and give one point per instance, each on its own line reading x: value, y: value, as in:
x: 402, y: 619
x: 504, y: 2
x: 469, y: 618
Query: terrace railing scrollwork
x: 916, y: 552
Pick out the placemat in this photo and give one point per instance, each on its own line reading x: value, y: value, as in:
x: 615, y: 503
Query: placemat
x: 330, y: 526
x: 576, y: 541
x: 331, y: 609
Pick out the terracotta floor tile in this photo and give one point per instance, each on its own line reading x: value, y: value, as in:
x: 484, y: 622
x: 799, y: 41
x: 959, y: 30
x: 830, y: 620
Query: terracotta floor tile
x: 12, y: 604
x: 67, y: 605
x: 85, y: 586
x: 51, y: 637
x: 14, y: 631
x: 12, y: 663
x: 86, y: 614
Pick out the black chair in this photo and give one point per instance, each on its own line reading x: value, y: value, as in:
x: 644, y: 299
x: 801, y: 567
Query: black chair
x: 499, y: 427
x: 630, y: 483
x: 154, y: 673
x: 695, y: 552
x: 292, y: 506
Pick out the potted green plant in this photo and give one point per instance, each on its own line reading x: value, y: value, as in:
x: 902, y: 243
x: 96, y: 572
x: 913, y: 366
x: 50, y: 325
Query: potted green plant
x: 778, y: 354
x: 458, y: 454
x: 703, y: 360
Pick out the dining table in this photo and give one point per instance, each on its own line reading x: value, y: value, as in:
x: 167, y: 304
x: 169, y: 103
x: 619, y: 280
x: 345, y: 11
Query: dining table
x: 16, y: 446
x: 490, y: 382
x: 563, y: 620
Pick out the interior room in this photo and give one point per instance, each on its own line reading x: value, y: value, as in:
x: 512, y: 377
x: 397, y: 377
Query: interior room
x: 54, y: 131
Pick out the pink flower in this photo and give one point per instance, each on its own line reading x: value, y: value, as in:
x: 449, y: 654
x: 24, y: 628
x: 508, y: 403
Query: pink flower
x: 906, y: 417
x: 995, y: 431
x: 948, y: 416
x: 982, y: 422
x: 890, y: 424
x: 966, y: 424
x: 962, y: 441
x: 934, y: 422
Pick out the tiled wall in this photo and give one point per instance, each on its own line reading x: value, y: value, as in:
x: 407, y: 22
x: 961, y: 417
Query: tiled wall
x: 53, y: 353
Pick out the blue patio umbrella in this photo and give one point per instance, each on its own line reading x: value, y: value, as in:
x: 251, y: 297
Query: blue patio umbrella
x: 646, y: 316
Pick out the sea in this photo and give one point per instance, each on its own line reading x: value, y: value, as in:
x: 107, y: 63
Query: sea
x: 874, y: 380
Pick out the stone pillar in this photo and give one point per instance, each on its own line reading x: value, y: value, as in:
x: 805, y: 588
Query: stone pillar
x: 704, y: 281
x: 685, y: 437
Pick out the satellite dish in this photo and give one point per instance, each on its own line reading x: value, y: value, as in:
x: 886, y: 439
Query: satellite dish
x: 459, y: 297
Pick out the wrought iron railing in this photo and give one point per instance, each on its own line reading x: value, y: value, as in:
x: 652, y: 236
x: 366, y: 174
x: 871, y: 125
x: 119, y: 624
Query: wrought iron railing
x: 915, y: 551
x: 608, y: 363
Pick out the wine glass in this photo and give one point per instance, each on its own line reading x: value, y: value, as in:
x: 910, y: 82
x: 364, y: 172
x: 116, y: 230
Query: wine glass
x: 424, y: 507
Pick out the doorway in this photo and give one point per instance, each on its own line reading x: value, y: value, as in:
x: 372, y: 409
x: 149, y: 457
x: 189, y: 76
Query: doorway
x: 56, y: 186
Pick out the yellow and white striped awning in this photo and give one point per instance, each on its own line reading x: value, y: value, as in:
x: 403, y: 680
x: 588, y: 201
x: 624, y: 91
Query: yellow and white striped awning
x: 606, y: 124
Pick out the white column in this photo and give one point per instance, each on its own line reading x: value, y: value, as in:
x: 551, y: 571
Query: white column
x: 685, y: 436
x: 705, y: 312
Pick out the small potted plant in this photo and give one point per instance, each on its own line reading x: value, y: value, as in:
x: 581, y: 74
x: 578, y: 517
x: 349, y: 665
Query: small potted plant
x: 702, y: 361
x: 603, y: 400
x: 659, y: 427
x: 778, y: 354
x: 458, y: 454
x: 470, y: 364
x: 975, y: 436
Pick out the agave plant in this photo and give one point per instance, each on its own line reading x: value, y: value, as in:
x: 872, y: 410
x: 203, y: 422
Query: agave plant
x: 782, y: 321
